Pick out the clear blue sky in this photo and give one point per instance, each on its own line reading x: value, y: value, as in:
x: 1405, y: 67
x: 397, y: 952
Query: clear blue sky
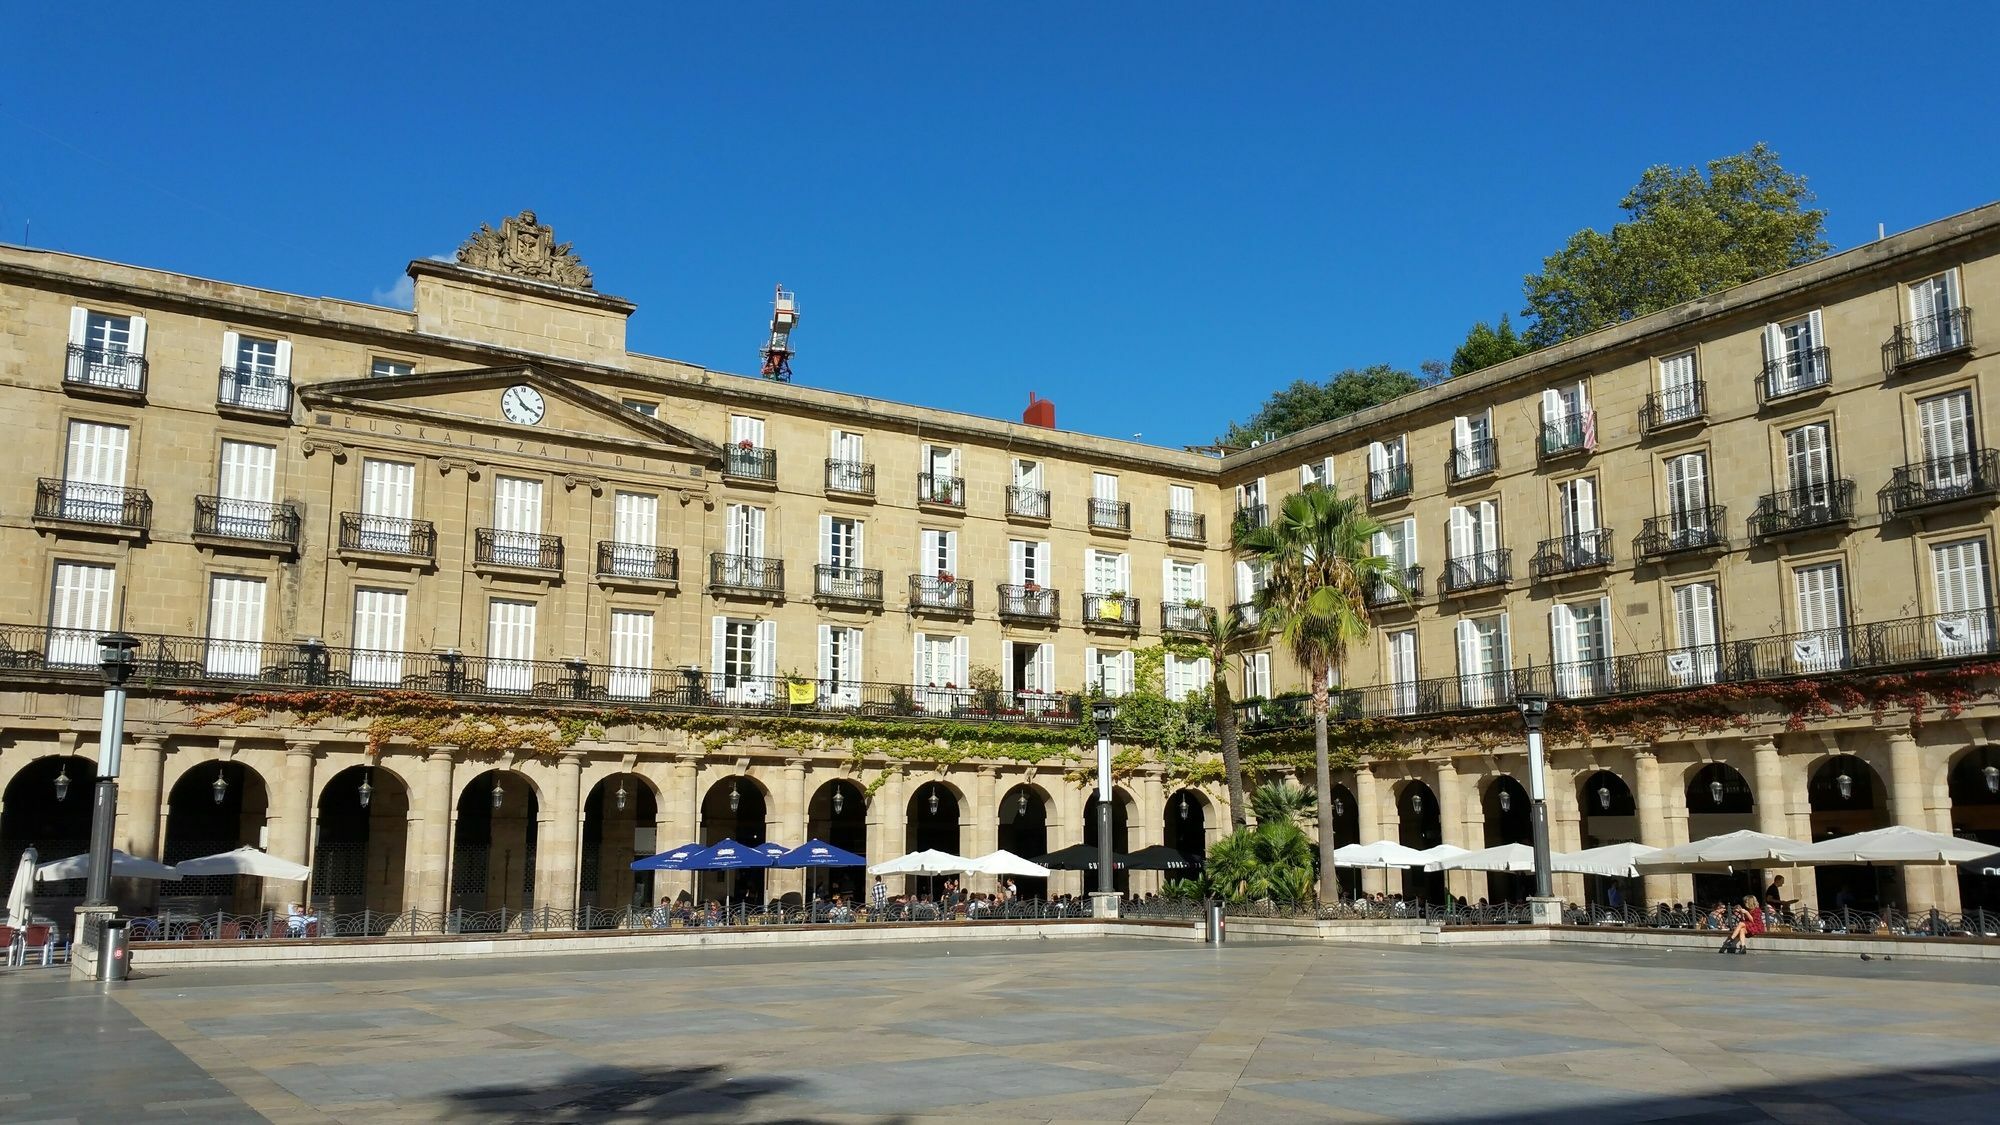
x: 1154, y: 214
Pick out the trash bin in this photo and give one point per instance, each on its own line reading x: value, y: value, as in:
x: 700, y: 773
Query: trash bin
x: 114, y: 951
x: 1215, y: 923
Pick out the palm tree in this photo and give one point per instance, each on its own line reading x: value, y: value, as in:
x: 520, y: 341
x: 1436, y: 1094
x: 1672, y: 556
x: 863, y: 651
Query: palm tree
x: 1271, y: 861
x: 1320, y: 562
x: 1222, y: 630
x: 1284, y: 802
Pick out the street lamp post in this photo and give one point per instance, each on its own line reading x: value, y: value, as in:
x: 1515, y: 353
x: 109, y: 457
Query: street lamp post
x: 1105, y: 897
x: 1545, y: 907
x: 115, y: 660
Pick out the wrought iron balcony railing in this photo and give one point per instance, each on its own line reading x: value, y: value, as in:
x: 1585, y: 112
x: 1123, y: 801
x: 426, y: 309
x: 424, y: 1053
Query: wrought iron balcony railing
x: 1028, y: 602
x: 1687, y: 529
x: 855, y: 478
x: 943, y: 594
x: 254, y: 390
x: 940, y: 490
x: 1941, y: 482
x: 847, y: 585
x: 1568, y: 554
x: 1794, y: 374
x: 641, y: 561
x: 750, y: 463
x: 1110, y: 515
x: 1249, y: 518
x: 1027, y: 503
x: 387, y: 535
x: 1111, y: 611
x: 1946, y: 333
x: 101, y: 505
x: 249, y: 520
x: 1187, y: 527
x: 1477, y: 572
x: 1381, y: 595
x: 745, y: 574
x: 1827, y: 504
x: 1678, y: 406
x: 1185, y: 619
x: 519, y: 550
x: 104, y: 369
x: 1573, y: 433
x: 1392, y: 483
x: 1475, y: 460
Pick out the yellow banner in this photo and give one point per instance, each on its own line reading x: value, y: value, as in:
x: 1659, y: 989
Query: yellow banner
x: 803, y: 695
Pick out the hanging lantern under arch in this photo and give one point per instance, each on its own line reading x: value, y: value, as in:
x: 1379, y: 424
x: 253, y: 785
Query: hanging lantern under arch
x: 1604, y: 797
x: 1416, y: 802
x: 62, y: 782
x: 619, y: 799
x: 1184, y: 806
x: 735, y: 796
x: 499, y: 794
x: 1992, y: 775
x: 1845, y: 784
x: 219, y: 788
x: 1506, y: 801
x: 933, y: 804
x: 839, y: 799
x: 1715, y: 792
x: 366, y: 792
x: 1339, y: 807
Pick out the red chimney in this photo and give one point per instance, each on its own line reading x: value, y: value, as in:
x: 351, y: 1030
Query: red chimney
x: 1040, y: 412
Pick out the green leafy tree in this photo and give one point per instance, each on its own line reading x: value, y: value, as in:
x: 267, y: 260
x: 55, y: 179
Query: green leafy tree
x: 1486, y: 345
x: 1319, y: 556
x: 1307, y: 403
x: 1688, y: 233
x: 1269, y: 862
x: 1284, y: 802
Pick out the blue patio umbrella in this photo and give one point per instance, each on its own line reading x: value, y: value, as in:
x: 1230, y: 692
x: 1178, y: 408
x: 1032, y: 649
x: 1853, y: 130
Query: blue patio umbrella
x: 819, y: 853
x: 775, y: 851
x: 727, y: 855
x: 673, y: 860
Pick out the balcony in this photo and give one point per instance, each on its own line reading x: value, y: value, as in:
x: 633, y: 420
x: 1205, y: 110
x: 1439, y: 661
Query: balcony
x: 107, y: 508
x: 1030, y: 604
x: 1793, y: 375
x: 1487, y: 570
x: 105, y: 373
x: 847, y: 586
x: 1247, y: 613
x: 944, y: 595
x: 1479, y: 459
x: 1116, y: 612
x: 750, y: 464
x: 1249, y: 518
x: 495, y: 549
x: 1799, y: 510
x: 850, y: 478
x: 1027, y: 503
x: 638, y: 565
x: 1942, y: 336
x: 1944, y: 482
x: 1381, y: 595
x: 1571, y: 554
x: 1184, y: 619
x: 1392, y: 483
x: 226, y: 522
x: 1681, y: 406
x: 387, y: 536
x: 1110, y: 515
x: 1186, y: 527
x: 746, y: 576
x: 1682, y: 532
x: 254, y: 393
x: 935, y: 490
x: 1573, y: 433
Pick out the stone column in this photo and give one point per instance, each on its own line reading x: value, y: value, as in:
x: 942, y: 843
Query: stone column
x: 1653, y: 814
x: 1146, y: 826
x: 1772, y: 802
x: 290, y: 819
x: 984, y: 823
x: 790, y: 830
x: 428, y: 862
x: 1565, y: 821
x: 1368, y: 823
x: 888, y: 822
x: 1929, y: 886
x: 138, y: 823
x: 1452, y: 824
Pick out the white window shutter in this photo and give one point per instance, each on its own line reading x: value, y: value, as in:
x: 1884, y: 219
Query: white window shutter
x: 1044, y: 572
x: 138, y: 344
x: 1018, y: 564
x: 1468, y: 648
x: 826, y: 554
x: 717, y: 633
x: 1201, y: 582
x: 1489, y: 526
x: 230, y: 344
x: 79, y: 324
x: 1409, y: 541
x: 1774, y: 344
x: 1552, y: 408
x: 1126, y: 679
x: 1378, y: 458
x: 960, y: 661
x: 1461, y: 533
x: 1461, y: 433
x: 1007, y: 683
x: 284, y: 359
x: 1506, y: 645
x: 1045, y: 666
x: 1586, y: 505
x: 1562, y: 634
x: 1093, y: 670
x: 825, y: 652
x: 767, y: 648
x: 859, y: 558
x: 1818, y: 330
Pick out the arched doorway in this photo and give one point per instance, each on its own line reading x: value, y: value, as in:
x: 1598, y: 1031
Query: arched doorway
x: 1975, y: 815
x: 493, y: 849
x: 214, y: 808
x: 736, y: 808
x: 47, y: 807
x: 1510, y: 819
x: 1346, y: 821
x: 1847, y: 796
x: 1608, y: 814
x: 1418, y: 826
x: 1121, y: 836
x: 1024, y: 830
x: 931, y: 821
x: 1719, y: 800
x: 1185, y: 829
x: 358, y: 854
x: 838, y: 815
x: 620, y: 824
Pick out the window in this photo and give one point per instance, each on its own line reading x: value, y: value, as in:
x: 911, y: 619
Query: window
x: 244, y: 483
x: 1475, y: 543
x: 1388, y: 469
x: 1184, y: 582
x: 256, y: 372
x: 1483, y: 660
x: 743, y: 659
x: 1581, y: 638
x: 1794, y: 356
x: 1180, y: 499
x: 1318, y: 472
x: 1936, y: 324
x: 1680, y: 394
x: 840, y: 541
x: 1106, y: 572
x: 1256, y: 675
x: 939, y: 553
x: 378, y: 636
x: 1250, y: 494
x: 1820, y: 645
x: 1108, y: 670
x: 1250, y: 578
x: 743, y: 530
x: 1695, y: 627
x: 1104, y: 486
x: 1400, y: 664
x: 840, y: 668
x: 104, y: 348
x: 1578, y: 501
x: 747, y: 455
x: 1687, y: 501
x: 93, y: 488
x: 635, y: 521
x: 380, y: 368
x: 941, y: 672
x: 1945, y: 422
x: 1397, y: 542
x: 235, y: 626
x: 649, y: 409
x: 1473, y: 452
x: 1182, y: 677
x: 1029, y: 563
x: 1030, y: 668
x: 744, y: 428
x: 79, y: 612
x: 631, y: 654
x: 847, y: 463
x: 517, y: 522
x: 510, y: 645
x: 1965, y: 618
x: 1809, y: 464
x: 1567, y: 421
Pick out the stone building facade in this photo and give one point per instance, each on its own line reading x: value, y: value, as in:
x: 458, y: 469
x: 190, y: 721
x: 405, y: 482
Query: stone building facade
x: 488, y: 497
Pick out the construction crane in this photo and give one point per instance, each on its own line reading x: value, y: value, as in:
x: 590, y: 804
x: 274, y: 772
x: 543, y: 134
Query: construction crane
x: 778, y: 353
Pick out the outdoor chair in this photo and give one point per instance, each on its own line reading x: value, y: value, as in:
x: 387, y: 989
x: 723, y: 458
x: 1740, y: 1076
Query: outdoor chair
x: 9, y: 938
x: 230, y: 931
x: 39, y: 936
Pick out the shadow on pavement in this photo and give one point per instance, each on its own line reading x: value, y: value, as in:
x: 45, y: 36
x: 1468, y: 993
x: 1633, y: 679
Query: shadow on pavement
x: 615, y: 1093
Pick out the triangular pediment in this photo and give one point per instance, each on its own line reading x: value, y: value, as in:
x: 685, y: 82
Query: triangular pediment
x: 472, y: 397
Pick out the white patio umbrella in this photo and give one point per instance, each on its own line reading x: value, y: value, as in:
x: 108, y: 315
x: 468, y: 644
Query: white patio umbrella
x: 1732, y: 851
x: 245, y: 861
x: 24, y: 881
x: 1382, y: 853
x: 930, y: 861
x: 1501, y: 857
x: 1894, y: 844
x: 1613, y: 860
x: 1437, y: 853
x: 126, y: 866
x: 1004, y: 862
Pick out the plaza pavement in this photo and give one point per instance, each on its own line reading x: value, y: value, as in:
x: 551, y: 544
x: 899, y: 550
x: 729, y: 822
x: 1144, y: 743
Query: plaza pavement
x: 1066, y: 1030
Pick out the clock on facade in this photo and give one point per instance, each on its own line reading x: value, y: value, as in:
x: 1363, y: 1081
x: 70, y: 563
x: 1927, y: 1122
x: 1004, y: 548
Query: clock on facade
x: 522, y: 404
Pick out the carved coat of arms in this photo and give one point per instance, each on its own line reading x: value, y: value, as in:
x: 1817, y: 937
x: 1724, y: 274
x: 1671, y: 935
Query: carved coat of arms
x: 525, y: 248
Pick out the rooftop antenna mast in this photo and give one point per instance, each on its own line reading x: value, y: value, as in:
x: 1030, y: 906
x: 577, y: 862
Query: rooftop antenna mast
x: 778, y: 353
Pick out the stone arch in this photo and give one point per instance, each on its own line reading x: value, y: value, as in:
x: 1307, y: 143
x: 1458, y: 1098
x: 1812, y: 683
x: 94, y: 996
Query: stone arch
x: 1846, y: 795
x: 1420, y: 824
x: 1507, y: 817
x: 1184, y: 826
x: 1123, y: 809
x: 493, y: 845
x: 837, y: 813
x: 621, y: 816
x: 1973, y: 782
x: 360, y: 846
x: 203, y: 818
x: 1026, y: 811
x: 735, y: 807
x: 934, y: 817
x: 32, y: 816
